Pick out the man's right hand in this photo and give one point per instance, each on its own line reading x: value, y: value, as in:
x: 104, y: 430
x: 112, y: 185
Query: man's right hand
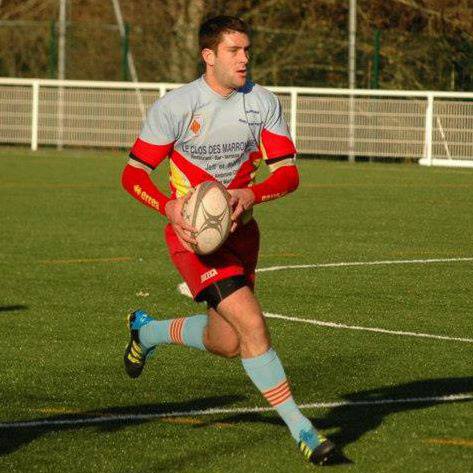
x: 184, y: 231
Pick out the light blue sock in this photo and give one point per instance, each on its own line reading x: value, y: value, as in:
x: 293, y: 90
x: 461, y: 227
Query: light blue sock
x: 267, y: 373
x: 188, y: 331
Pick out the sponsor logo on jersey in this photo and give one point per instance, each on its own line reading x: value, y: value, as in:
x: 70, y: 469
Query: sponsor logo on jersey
x: 145, y: 197
x: 272, y: 196
x: 208, y: 275
x: 196, y: 124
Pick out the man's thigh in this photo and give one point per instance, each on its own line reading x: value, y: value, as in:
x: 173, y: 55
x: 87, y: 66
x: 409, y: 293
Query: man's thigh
x: 237, y: 326
x: 242, y: 311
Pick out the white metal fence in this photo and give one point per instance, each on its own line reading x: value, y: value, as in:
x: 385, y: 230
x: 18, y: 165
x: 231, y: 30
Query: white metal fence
x: 434, y: 127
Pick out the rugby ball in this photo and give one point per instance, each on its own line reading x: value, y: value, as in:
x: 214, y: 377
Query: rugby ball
x: 209, y: 211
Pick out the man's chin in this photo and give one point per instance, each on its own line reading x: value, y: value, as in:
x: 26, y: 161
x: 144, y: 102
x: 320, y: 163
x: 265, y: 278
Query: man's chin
x: 239, y: 83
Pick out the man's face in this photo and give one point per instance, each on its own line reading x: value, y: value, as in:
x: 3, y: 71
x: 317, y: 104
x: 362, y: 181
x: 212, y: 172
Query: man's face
x: 231, y: 60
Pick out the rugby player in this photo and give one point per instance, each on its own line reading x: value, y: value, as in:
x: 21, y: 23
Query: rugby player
x: 219, y: 127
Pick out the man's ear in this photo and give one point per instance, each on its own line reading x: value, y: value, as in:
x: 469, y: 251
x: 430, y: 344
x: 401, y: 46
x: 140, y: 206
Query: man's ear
x: 208, y: 55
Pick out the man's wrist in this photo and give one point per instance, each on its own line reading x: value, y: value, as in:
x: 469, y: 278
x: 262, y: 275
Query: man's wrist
x: 252, y: 193
x: 168, y: 208
x: 259, y: 192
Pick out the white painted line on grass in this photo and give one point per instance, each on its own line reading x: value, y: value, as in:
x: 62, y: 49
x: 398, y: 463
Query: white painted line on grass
x: 184, y: 290
x: 234, y: 411
x: 367, y: 329
x: 363, y: 263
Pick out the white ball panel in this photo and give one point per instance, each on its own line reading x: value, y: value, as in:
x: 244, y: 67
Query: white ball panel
x: 210, y: 211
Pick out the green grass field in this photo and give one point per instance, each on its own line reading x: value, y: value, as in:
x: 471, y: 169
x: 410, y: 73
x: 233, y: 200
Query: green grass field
x: 78, y: 253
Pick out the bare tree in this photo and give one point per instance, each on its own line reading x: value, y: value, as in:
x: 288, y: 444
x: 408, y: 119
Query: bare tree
x: 424, y: 43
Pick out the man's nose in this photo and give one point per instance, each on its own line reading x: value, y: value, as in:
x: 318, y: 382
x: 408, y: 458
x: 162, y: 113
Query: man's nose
x: 243, y: 56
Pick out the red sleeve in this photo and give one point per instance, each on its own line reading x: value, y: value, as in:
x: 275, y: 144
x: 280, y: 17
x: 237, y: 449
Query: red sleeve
x: 275, y: 146
x: 148, y: 153
x: 279, y: 183
x: 138, y: 184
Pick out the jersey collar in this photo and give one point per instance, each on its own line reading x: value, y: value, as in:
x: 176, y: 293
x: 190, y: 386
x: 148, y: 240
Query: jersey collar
x: 209, y: 90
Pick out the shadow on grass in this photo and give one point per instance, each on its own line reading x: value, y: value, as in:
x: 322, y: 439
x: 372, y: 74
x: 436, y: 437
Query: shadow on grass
x: 351, y: 422
x: 356, y: 420
x: 13, y: 308
x: 14, y: 437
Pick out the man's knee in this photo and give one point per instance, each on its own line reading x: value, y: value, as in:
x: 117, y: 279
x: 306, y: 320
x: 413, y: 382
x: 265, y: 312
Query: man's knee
x: 253, y: 324
x: 227, y: 348
x: 229, y: 351
x: 226, y: 343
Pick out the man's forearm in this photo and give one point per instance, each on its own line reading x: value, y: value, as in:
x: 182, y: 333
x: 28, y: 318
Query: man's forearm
x: 282, y: 181
x: 137, y: 183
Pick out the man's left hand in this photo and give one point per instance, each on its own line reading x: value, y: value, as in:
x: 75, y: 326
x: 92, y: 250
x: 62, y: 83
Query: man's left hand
x: 241, y: 200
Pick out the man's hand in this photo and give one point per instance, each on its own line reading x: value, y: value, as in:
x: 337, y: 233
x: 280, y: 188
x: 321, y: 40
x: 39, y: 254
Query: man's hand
x: 241, y: 200
x: 173, y: 210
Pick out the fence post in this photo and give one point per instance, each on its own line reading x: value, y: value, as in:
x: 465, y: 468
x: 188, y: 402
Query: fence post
x: 34, y: 116
x: 351, y: 128
x: 429, y: 121
x: 294, y: 115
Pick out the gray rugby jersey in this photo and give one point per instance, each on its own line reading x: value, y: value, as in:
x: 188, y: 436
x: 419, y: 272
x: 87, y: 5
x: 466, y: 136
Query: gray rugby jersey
x: 210, y: 137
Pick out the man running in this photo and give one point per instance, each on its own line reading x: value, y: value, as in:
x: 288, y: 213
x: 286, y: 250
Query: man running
x: 219, y: 127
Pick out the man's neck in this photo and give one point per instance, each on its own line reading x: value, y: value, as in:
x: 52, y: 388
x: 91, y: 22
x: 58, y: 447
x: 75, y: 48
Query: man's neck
x: 216, y: 87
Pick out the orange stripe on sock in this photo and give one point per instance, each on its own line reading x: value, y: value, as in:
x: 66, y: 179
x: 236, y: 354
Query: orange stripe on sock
x: 172, y: 331
x: 278, y: 394
x: 276, y: 389
x: 282, y: 398
x: 276, y: 397
x: 179, y: 331
x: 175, y: 331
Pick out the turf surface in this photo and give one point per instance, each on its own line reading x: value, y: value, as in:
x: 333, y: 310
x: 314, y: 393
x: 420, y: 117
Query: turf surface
x: 78, y: 253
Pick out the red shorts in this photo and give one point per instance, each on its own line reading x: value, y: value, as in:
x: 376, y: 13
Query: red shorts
x: 237, y: 257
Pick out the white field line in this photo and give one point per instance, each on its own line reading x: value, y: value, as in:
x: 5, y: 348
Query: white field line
x: 363, y: 263
x: 366, y: 329
x: 235, y: 411
x: 184, y: 290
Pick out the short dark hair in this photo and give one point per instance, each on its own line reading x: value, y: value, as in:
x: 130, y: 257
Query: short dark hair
x: 211, y: 31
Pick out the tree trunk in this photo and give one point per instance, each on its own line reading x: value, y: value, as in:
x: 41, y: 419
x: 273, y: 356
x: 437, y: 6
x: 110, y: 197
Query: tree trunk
x: 186, y: 17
